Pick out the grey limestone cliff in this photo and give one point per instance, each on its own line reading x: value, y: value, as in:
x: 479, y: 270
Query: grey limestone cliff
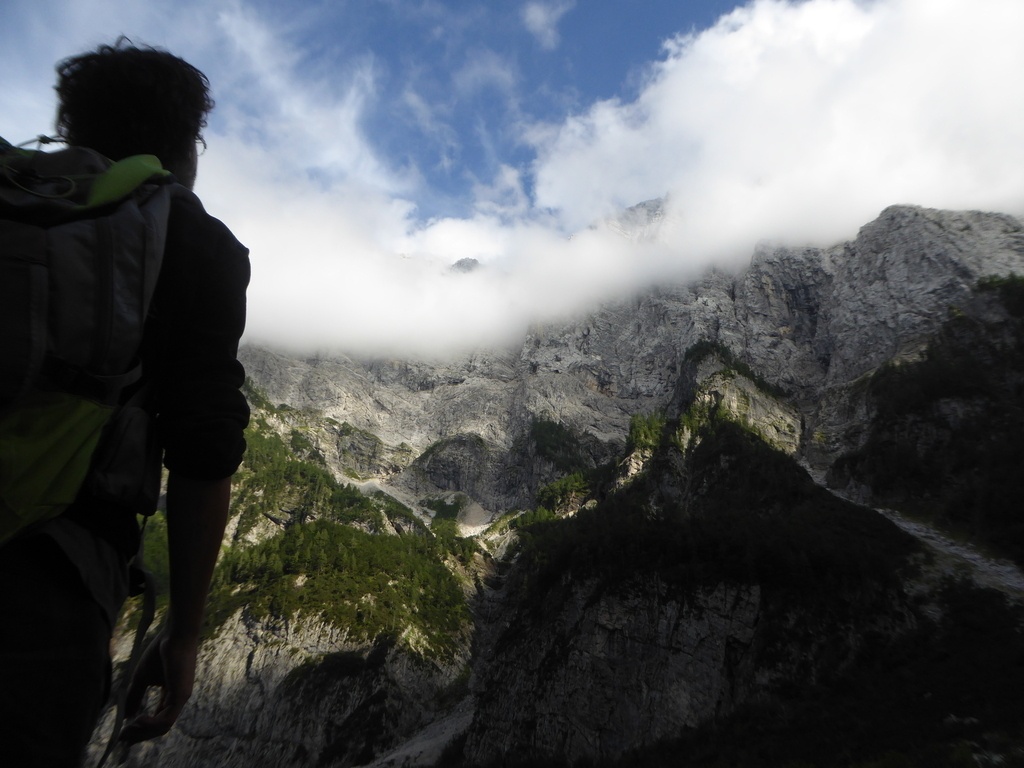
x: 614, y: 672
x: 809, y: 321
x: 298, y: 692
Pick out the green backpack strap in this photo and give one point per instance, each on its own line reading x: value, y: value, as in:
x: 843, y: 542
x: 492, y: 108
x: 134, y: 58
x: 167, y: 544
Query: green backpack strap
x: 108, y: 183
x: 123, y: 177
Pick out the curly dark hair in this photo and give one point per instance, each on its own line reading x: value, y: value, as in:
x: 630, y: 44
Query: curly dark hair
x: 124, y: 100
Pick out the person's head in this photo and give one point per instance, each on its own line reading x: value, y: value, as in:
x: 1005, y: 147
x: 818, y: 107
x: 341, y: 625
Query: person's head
x: 123, y: 100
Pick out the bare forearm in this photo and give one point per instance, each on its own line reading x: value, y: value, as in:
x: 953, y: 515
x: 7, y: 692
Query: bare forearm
x: 197, y: 512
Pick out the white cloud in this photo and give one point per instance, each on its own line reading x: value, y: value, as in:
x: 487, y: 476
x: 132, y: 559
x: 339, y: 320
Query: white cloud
x: 541, y: 19
x: 484, y: 69
x: 505, y: 198
x: 801, y: 121
x: 307, y: 123
x: 432, y: 126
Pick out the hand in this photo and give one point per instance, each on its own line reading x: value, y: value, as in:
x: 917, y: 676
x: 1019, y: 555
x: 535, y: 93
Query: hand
x: 197, y: 512
x: 168, y: 663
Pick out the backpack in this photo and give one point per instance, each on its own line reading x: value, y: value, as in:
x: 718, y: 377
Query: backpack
x: 81, y: 245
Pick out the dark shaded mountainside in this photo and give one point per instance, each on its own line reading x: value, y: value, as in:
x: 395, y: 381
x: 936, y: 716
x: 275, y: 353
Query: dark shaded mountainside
x: 647, y: 536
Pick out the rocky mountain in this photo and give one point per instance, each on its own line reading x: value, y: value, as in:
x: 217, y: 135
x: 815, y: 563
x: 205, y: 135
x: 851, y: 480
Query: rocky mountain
x: 809, y: 321
x: 632, y: 539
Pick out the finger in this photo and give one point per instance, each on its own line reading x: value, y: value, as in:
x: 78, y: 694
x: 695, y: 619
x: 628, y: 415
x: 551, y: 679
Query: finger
x: 145, y: 727
x: 148, y: 672
x: 136, y: 693
x: 133, y: 698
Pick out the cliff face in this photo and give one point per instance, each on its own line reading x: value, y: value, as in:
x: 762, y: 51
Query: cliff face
x: 299, y: 692
x: 678, y: 567
x: 608, y: 672
x: 715, y: 577
x: 809, y: 321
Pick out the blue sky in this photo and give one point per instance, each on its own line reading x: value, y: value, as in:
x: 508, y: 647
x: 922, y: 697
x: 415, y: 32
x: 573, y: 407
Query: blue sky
x: 456, y: 83
x: 360, y: 147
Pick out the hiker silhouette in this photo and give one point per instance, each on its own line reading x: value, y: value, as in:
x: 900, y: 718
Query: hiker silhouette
x: 135, y: 240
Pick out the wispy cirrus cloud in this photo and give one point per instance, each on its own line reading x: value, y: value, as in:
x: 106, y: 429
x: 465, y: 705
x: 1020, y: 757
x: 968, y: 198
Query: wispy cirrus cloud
x: 542, y: 18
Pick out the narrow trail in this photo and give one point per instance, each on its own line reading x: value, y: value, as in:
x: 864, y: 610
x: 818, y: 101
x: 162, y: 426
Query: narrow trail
x: 952, y: 557
x: 962, y: 558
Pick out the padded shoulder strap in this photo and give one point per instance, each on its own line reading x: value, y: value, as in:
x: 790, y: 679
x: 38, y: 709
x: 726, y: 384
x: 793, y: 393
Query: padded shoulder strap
x: 73, y: 181
x: 123, y: 177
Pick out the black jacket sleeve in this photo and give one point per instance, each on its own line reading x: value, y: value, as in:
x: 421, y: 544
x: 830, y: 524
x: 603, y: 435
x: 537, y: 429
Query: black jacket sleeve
x: 190, y: 353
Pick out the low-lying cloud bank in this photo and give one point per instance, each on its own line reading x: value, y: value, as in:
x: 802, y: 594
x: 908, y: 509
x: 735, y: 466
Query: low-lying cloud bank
x: 795, y: 122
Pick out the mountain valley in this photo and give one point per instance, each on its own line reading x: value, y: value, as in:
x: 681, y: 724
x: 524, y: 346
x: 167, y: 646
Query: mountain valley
x: 647, y: 535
